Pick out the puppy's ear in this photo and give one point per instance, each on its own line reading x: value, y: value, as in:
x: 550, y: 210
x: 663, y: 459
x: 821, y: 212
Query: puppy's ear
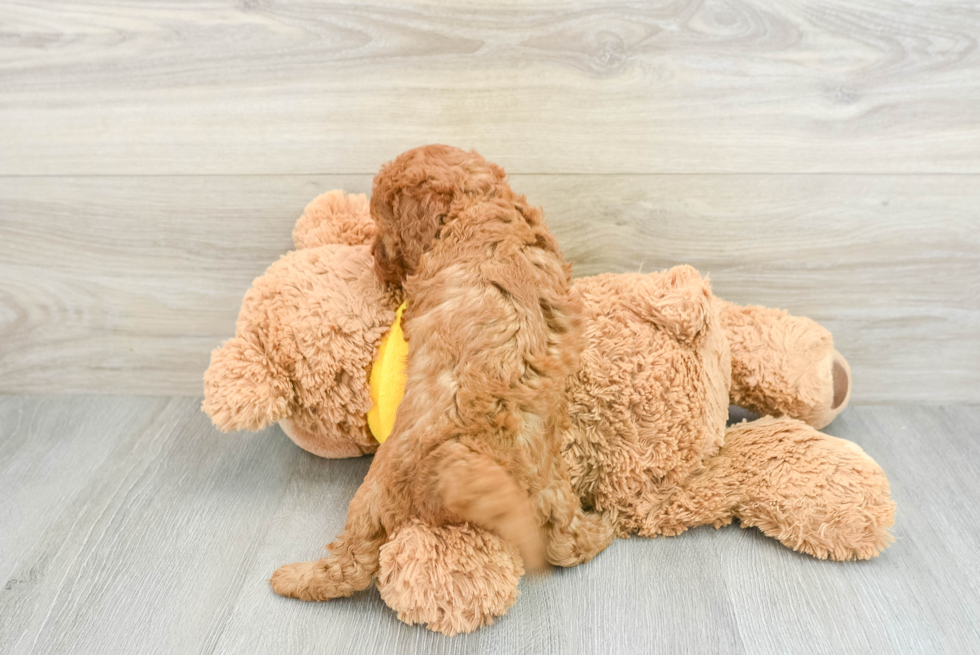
x: 387, y: 265
x: 243, y: 389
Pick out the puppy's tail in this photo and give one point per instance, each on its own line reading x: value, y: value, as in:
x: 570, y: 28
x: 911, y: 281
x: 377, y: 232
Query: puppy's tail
x: 352, y: 565
x: 479, y: 490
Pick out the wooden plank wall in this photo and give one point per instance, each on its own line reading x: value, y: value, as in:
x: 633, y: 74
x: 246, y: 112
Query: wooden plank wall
x: 822, y: 157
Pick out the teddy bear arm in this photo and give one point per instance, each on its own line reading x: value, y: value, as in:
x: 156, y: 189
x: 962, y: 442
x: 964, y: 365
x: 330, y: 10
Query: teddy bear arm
x: 677, y: 300
x: 784, y: 365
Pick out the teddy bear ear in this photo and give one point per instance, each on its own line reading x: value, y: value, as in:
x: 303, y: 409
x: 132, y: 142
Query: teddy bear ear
x: 243, y: 389
x: 335, y: 218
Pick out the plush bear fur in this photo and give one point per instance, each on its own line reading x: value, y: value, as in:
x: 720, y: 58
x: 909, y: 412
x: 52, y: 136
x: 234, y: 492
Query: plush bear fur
x: 647, y: 445
x: 307, y: 333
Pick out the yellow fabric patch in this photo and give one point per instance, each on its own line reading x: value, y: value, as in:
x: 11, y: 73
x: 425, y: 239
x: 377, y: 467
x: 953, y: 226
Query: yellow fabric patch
x: 388, y: 380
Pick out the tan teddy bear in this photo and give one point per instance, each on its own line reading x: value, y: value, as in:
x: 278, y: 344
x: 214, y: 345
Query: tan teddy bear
x: 307, y: 334
x: 647, y: 446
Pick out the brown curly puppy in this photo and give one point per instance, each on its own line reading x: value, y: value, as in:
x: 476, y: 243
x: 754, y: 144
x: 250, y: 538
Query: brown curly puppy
x: 493, y: 335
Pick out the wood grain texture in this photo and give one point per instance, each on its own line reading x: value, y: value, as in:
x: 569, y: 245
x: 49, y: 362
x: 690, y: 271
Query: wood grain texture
x: 258, y: 87
x: 125, y: 284
x: 130, y: 525
x: 137, y: 506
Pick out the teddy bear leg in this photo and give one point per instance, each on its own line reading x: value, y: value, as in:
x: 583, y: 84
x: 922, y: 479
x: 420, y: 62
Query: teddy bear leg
x: 815, y: 493
x: 350, y: 567
x: 706, y: 498
x: 450, y: 578
x: 784, y: 365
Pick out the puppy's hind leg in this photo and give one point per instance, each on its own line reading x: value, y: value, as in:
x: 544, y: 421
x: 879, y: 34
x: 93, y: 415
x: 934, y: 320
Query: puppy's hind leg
x: 479, y: 490
x: 574, y: 536
x: 351, y: 566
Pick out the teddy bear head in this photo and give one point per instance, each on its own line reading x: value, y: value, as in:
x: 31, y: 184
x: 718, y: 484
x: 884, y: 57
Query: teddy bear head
x: 307, y: 333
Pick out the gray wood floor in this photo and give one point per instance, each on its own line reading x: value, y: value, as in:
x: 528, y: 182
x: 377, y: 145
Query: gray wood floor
x: 128, y: 525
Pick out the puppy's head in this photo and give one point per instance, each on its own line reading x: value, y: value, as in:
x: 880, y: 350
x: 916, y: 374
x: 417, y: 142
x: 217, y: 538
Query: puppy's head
x: 419, y: 192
